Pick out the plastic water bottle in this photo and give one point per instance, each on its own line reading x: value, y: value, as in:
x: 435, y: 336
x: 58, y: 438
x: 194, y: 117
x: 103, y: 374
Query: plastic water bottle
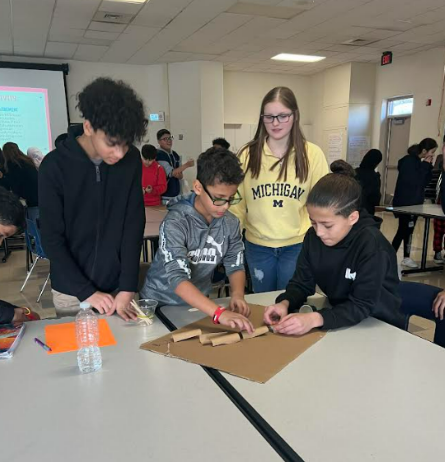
x: 89, y: 357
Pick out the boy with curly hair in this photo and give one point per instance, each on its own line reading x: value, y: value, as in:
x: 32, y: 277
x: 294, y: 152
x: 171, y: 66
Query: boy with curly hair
x: 91, y: 207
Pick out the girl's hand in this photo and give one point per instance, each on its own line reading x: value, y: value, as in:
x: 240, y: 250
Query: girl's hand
x: 275, y: 313
x: 298, y: 323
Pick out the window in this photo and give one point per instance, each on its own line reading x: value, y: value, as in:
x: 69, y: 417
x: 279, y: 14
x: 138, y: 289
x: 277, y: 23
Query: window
x: 402, y: 106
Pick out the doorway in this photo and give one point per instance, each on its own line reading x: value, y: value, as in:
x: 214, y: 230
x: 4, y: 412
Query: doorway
x: 398, y: 129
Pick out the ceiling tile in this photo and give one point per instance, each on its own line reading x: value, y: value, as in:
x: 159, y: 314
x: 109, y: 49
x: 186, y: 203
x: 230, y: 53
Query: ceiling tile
x: 106, y: 27
x: 120, y: 7
x: 90, y: 52
x: 158, y: 13
x: 94, y: 34
x: 60, y: 50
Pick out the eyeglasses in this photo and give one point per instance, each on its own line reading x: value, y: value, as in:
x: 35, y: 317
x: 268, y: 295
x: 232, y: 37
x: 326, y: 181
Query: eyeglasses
x: 281, y: 118
x: 167, y: 138
x: 220, y: 202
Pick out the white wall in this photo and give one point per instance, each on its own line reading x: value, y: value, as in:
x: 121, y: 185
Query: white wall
x: 196, y: 105
x: 419, y: 75
x: 329, y: 113
x: 150, y: 83
x: 212, y: 103
x: 361, y: 107
x: 244, y: 91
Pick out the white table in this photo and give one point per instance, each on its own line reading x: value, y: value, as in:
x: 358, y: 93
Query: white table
x: 153, y: 219
x: 427, y: 211
x: 139, y: 406
x: 368, y: 393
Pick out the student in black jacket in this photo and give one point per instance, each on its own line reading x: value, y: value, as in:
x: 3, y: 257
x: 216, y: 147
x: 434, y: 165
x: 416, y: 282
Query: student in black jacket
x: 20, y: 176
x: 12, y: 221
x: 415, y: 172
x: 91, y: 207
x: 369, y: 180
x: 348, y: 257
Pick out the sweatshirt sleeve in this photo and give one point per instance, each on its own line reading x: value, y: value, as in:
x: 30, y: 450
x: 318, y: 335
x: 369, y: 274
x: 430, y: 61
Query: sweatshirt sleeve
x: 240, y: 210
x: 233, y: 260
x: 364, y: 294
x: 52, y: 225
x: 161, y: 186
x: 173, y: 252
x: 132, y: 235
x: 442, y: 193
x: 426, y: 170
x: 302, y: 284
x: 6, y: 312
x: 374, y: 195
x: 318, y: 164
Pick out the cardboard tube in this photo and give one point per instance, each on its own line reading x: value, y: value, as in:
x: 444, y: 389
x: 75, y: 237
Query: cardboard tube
x: 256, y: 333
x: 226, y: 339
x: 186, y: 335
x: 205, y: 339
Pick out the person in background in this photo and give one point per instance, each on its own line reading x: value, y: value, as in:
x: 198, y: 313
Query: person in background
x: 415, y: 172
x: 21, y: 177
x: 221, y: 143
x: 341, y: 166
x: 36, y: 155
x: 197, y: 235
x: 347, y: 256
x: 280, y: 168
x: 154, y: 182
x: 92, y: 209
x: 171, y: 162
x: 12, y: 221
x: 370, y: 180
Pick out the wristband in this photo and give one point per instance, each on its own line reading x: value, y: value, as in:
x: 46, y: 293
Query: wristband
x: 216, y: 315
x: 28, y: 313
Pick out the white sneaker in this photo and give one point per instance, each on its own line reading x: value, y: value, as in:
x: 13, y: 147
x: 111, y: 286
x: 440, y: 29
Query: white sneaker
x: 409, y: 263
x: 438, y: 259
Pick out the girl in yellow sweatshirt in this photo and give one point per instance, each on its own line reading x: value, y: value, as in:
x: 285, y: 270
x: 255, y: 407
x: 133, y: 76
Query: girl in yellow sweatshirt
x: 281, y: 168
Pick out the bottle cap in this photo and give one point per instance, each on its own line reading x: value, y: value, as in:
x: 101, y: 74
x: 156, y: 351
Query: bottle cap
x: 85, y: 306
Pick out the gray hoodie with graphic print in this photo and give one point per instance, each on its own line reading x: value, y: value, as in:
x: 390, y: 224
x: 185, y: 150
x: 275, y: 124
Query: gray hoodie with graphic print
x: 190, y: 249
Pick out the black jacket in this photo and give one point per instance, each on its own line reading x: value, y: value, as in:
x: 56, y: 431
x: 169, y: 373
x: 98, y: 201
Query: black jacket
x: 92, y: 219
x: 22, y: 180
x: 170, y: 162
x: 358, y: 275
x: 413, y: 177
x: 6, y: 312
x: 370, y: 182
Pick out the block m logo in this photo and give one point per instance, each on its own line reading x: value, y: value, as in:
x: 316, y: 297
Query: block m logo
x: 278, y: 203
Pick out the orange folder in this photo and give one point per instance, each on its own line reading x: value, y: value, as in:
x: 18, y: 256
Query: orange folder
x: 62, y: 337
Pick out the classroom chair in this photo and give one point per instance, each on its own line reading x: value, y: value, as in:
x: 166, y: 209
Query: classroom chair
x: 33, y: 243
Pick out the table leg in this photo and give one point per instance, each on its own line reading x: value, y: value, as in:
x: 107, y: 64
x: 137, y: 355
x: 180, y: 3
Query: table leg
x: 145, y: 251
x: 426, y: 232
x: 423, y: 268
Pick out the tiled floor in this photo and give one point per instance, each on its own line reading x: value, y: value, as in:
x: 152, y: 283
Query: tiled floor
x: 12, y: 275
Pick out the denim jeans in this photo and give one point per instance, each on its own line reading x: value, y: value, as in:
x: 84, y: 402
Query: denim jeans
x: 417, y: 299
x: 271, y: 268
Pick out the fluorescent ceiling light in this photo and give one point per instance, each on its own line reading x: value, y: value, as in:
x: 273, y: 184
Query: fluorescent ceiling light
x: 299, y: 58
x: 130, y: 1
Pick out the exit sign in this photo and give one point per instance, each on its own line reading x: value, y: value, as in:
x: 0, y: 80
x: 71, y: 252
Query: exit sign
x: 386, y: 58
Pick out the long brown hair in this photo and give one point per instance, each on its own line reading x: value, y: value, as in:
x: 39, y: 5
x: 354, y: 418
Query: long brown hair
x: 297, y: 140
x: 13, y: 155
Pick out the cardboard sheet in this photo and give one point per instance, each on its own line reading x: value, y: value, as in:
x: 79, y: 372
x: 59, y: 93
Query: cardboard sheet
x: 62, y: 337
x: 257, y: 359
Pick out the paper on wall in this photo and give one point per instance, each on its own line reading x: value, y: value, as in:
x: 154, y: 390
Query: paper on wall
x: 335, y: 143
x: 357, y: 148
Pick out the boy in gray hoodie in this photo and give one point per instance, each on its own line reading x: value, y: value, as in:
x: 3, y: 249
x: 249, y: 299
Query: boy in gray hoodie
x: 197, y: 234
